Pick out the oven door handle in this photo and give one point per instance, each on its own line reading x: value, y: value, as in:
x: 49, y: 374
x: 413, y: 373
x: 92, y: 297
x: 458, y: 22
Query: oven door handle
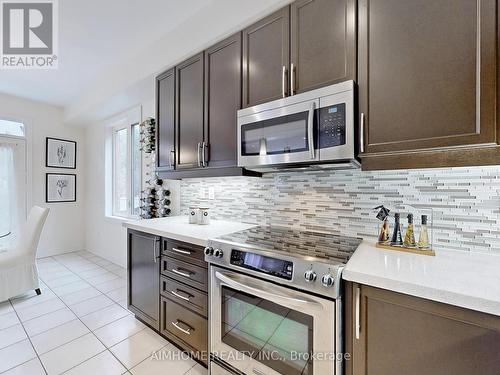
x: 310, y: 131
x: 253, y: 288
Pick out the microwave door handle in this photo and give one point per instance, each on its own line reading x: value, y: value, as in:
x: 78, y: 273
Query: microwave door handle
x: 252, y: 288
x: 310, y: 130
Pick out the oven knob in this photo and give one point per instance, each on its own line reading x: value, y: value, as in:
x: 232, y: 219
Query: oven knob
x: 209, y: 250
x: 218, y: 253
x: 310, y: 276
x: 327, y: 281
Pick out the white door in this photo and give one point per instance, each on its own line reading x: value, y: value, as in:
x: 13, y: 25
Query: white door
x: 12, y: 189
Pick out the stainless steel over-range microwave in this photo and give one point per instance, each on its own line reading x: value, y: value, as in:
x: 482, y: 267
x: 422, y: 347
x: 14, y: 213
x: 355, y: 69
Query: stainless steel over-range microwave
x: 315, y: 128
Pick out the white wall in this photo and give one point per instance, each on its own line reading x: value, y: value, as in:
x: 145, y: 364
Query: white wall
x: 65, y: 227
x: 104, y: 236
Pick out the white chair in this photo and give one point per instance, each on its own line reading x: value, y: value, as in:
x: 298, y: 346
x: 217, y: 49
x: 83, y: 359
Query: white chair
x: 18, y: 271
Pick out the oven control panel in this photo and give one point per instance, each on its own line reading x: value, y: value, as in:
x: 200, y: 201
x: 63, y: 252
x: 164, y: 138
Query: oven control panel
x: 299, y: 272
x: 332, y: 125
x: 260, y: 263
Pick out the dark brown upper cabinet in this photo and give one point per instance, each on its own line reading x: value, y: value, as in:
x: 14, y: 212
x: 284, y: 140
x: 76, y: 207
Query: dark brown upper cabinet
x: 165, y: 115
x: 222, y: 101
x: 266, y: 58
x: 323, y: 43
x: 189, y: 105
x: 427, y: 83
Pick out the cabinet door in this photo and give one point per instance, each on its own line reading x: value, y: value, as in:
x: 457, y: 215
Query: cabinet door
x: 222, y: 100
x: 189, y: 99
x: 427, y: 73
x: 266, y: 59
x: 323, y: 43
x: 400, y: 334
x: 144, y: 276
x: 165, y: 115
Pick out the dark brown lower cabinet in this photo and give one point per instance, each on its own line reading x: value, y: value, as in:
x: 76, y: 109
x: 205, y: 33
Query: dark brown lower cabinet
x: 144, y: 276
x: 399, y: 334
x: 184, y: 297
x: 185, y: 328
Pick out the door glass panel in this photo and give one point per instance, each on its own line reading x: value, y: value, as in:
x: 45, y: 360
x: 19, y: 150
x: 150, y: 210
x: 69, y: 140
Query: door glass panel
x: 281, y: 135
x: 274, y: 335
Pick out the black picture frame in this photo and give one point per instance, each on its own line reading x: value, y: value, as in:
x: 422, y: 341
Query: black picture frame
x: 47, y: 145
x: 47, y: 199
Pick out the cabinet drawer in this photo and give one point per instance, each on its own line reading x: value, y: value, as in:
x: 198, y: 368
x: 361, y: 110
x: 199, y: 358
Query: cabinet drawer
x: 184, y: 251
x: 184, y: 324
x: 184, y: 295
x: 187, y: 273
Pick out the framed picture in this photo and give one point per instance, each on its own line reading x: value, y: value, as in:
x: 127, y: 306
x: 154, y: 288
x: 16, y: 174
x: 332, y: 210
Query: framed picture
x: 60, y: 153
x: 60, y: 187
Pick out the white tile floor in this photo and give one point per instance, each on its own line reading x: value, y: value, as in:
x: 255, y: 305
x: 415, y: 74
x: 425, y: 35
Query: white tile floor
x: 80, y: 325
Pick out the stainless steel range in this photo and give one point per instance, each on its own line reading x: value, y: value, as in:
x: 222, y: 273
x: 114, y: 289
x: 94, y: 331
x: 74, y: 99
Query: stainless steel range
x: 276, y: 303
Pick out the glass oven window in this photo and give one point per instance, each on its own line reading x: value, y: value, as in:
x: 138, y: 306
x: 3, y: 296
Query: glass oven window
x: 276, y: 336
x: 281, y: 135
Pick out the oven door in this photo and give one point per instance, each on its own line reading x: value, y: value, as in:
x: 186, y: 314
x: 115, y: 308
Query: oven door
x: 261, y: 328
x: 283, y: 135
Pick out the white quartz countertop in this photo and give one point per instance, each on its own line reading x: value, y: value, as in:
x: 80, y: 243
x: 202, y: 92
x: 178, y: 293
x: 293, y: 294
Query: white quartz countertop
x: 178, y: 228
x: 469, y: 280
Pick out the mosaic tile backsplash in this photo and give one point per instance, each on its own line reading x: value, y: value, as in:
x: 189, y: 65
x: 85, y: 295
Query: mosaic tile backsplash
x: 465, y: 201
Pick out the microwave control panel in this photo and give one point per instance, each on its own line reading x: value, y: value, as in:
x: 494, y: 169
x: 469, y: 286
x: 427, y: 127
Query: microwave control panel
x: 332, y: 125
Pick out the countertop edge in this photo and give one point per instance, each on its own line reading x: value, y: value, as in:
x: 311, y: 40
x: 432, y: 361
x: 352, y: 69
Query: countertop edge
x: 165, y: 233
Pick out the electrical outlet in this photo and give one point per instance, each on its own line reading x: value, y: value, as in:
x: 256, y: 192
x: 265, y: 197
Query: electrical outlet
x: 211, y: 193
x: 202, y: 192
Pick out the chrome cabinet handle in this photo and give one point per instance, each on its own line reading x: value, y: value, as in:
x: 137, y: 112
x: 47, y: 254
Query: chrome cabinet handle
x: 185, y: 274
x: 204, y: 148
x: 358, y: 313
x: 310, y: 130
x: 249, y: 286
x: 181, y: 251
x: 157, y: 241
x: 292, y: 79
x: 198, y: 154
x: 173, y: 292
x: 362, y: 133
x: 171, y: 158
x: 186, y: 331
x: 283, y: 81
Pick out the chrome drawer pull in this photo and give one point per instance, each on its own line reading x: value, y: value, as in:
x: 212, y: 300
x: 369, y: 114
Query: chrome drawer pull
x: 186, y: 331
x: 185, y: 274
x: 179, y: 296
x: 181, y: 251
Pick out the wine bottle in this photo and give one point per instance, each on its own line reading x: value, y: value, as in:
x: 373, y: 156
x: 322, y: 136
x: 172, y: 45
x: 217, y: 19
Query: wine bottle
x: 397, y: 239
x: 423, y: 240
x: 164, y: 193
x: 409, y: 240
x: 164, y: 202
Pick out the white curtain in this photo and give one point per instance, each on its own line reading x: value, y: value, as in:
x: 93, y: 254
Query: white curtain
x: 9, y: 197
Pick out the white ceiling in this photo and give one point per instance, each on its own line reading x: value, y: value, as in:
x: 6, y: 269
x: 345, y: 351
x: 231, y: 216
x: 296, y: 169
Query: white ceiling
x: 107, y: 48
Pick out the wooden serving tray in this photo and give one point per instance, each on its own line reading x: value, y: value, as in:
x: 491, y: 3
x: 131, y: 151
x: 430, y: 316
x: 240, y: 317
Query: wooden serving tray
x: 428, y: 252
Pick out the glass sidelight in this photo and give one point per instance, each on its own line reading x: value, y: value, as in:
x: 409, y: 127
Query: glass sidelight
x: 279, y: 337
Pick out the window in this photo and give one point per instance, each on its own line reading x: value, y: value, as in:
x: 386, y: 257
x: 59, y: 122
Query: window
x: 13, y: 180
x: 14, y: 128
x: 126, y: 168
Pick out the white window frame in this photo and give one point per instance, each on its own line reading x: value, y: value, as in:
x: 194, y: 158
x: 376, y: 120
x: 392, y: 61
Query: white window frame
x: 123, y: 121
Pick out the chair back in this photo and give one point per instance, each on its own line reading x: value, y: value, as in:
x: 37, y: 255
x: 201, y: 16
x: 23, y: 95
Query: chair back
x: 31, y: 231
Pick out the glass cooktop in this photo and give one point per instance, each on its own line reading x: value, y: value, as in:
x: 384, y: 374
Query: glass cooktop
x: 325, y: 247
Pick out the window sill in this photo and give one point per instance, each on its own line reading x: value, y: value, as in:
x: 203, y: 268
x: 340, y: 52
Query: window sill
x: 120, y: 219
